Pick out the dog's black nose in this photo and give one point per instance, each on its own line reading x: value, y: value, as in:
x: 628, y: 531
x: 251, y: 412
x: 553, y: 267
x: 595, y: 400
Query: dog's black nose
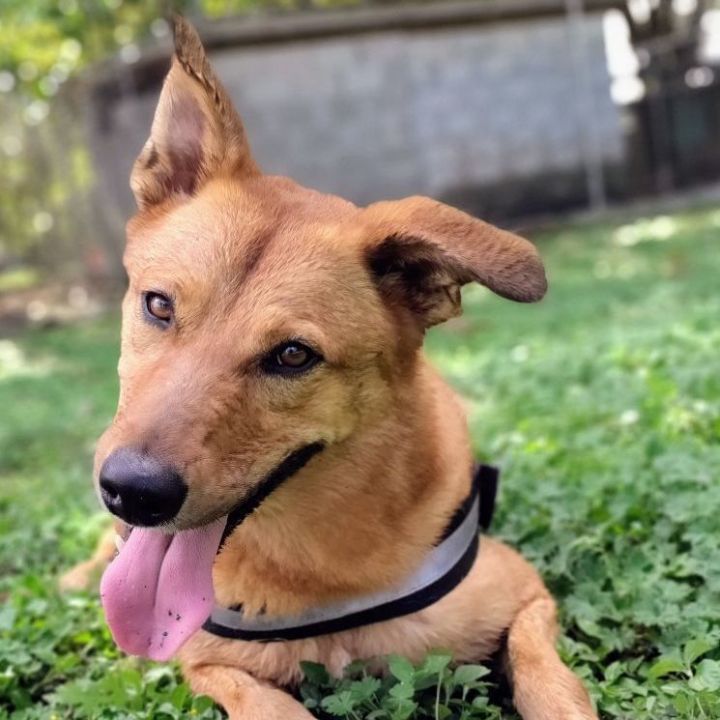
x: 139, y: 489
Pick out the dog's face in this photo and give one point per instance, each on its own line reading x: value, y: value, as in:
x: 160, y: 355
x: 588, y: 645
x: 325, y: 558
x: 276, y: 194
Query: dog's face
x: 263, y: 321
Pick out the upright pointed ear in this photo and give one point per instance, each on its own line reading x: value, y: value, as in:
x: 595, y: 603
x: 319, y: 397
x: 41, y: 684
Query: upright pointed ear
x: 196, y: 134
x: 421, y: 252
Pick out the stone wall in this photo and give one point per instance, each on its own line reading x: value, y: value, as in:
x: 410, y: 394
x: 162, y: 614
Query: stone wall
x: 446, y: 110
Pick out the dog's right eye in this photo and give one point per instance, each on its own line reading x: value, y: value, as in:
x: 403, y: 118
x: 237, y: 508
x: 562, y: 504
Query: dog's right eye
x: 158, y: 308
x: 290, y: 358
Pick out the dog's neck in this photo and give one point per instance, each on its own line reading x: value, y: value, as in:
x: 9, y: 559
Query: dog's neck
x: 361, y: 516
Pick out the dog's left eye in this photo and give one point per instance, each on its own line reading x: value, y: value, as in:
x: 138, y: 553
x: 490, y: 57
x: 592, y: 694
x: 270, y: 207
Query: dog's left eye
x: 159, y: 307
x: 290, y: 358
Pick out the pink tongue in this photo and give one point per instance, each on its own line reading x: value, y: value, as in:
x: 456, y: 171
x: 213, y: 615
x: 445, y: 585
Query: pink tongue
x: 158, y: 591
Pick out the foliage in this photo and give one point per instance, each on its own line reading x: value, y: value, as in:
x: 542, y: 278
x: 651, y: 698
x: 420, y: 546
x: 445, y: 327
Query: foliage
x: 65, y: 656
x: 46, y: 201
x: 44, y: 198
x: 431, y: 689
x: 43, y: 42
x: 602, y: 405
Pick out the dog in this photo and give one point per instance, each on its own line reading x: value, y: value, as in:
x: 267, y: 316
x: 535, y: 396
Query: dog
x: 281, y: 446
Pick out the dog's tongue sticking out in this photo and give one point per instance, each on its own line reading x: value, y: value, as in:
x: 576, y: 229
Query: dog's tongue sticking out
x: 158, y: 591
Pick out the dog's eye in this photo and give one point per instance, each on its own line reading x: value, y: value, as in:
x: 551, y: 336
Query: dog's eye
x: 159, y: 307
x: 290, y: 358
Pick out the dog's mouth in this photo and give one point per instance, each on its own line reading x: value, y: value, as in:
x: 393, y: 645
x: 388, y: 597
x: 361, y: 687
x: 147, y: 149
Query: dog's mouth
x: 158, y: 591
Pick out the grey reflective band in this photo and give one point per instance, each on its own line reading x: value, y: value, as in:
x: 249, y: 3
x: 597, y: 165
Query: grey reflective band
x: 442, y: 569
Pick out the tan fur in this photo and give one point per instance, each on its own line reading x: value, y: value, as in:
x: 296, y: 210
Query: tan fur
x: 87, y: 573
x: 251, y: 261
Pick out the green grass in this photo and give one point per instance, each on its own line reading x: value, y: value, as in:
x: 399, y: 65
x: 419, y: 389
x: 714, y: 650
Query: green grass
x: 602, y: 405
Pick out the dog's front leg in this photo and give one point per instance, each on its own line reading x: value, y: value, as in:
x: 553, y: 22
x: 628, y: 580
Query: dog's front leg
x: 543, y: 687
x: 84, y: 575
x: 242, y: 696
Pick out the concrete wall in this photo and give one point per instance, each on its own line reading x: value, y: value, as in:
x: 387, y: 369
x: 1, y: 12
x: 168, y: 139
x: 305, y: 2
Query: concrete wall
x: 432, y: 110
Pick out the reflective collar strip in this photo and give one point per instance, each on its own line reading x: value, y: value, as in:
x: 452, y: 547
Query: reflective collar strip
x: 445, y: 566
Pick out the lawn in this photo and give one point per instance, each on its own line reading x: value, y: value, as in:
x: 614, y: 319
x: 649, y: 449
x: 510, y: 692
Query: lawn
x: 602, y: 405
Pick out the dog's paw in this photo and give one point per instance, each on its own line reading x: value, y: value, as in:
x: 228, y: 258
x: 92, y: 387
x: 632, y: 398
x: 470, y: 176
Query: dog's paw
x: 84, y: 576
x: 280, y: 709
x: 273, y: 705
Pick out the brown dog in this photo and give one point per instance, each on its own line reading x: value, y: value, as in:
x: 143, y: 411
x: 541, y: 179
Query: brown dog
x: 272, y: 350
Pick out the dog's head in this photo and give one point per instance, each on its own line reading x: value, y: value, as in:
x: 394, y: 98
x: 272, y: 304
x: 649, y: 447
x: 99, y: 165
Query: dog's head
x: 264, y: 321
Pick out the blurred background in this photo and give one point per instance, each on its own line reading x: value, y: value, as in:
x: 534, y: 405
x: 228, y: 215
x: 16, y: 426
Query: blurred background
x: 591, y: 125
x: 519, y: 111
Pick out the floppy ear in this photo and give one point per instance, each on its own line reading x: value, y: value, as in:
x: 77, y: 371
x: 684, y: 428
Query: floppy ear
x: 421, y: 252
x: 196, y: 134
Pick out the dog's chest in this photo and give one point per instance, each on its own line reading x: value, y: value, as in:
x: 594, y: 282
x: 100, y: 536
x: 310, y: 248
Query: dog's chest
x: 456, y: 622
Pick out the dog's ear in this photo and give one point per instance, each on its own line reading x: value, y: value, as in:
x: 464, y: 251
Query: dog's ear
x: 196, y: 133
x: 420, y: 252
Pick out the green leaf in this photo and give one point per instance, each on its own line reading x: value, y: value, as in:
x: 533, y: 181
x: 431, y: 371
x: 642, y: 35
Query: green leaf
x: 202, y: 703
x: 7, y: 616
x: 401, y: 668
x: 363, y: 690
x: 315, y: 673
x: 696, y: 648
x: 402, y: 691
x: 180, y: 696
x: 379, y: 714
x: 468, y: 674
x: 435, y: 662
x: 403, y: 709
x: 706, y: 677
x: 340, y: 705
x: 665, y: 666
